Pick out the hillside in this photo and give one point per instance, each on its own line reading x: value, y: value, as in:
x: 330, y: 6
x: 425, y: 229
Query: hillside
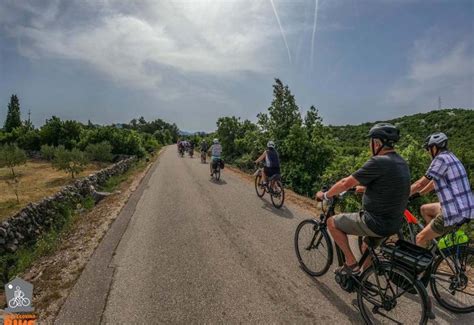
x: 458, y: 124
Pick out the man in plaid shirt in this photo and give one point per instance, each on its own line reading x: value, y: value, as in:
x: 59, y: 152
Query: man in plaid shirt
x: 448, y: 177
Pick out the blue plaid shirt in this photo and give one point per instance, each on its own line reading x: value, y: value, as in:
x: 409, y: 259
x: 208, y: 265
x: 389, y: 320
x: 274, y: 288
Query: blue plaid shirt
x: 452, y: 187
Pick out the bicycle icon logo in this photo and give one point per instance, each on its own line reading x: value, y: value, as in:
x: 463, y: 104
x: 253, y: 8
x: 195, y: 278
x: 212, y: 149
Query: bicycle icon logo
x: 19, y: 299
x: 19, y: 295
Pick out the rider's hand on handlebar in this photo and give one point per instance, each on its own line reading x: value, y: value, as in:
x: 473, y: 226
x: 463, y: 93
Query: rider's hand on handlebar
x: 319, y: 196
x: 360, y: 189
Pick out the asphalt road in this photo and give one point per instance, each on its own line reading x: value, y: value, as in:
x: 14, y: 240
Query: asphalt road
x: 199, y: 251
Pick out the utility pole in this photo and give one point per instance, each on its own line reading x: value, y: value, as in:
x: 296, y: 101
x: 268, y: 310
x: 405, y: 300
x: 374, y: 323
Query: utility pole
x: 29, y: 115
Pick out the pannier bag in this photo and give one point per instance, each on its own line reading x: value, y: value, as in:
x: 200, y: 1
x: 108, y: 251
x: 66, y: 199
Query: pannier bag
x: 222, y: 164
x: 452, y: 239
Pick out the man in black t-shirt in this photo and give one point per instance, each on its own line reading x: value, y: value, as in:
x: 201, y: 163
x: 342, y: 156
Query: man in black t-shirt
x: 385, y: 178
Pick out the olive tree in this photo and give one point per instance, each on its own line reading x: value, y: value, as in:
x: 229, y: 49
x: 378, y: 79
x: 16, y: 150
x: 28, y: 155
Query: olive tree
x: 10, y: 157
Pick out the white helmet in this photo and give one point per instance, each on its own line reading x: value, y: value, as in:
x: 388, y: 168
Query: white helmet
x: 438, y: 139
x: 271, y: 144
x: 216, y: 141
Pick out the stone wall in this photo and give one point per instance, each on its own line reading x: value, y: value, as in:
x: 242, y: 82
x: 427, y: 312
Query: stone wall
x: 36, y: 218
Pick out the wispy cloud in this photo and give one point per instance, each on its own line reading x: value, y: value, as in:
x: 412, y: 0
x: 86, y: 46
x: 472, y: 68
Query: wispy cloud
x: 315, y: 23
x: 281, y: 31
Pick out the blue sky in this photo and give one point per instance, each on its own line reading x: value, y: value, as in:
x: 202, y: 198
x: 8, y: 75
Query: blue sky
x: 191, y: 62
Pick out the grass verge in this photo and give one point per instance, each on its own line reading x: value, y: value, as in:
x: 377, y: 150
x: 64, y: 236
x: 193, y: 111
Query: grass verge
x: 12, y: 264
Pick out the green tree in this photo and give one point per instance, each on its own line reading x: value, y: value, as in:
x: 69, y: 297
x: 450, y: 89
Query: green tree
x: 283, y: 112
x: 13, y: 119
x: 71, y: 161
x: 10, y: 157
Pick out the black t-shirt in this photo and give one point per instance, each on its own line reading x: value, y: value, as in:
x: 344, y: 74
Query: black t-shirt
x: 387, y: 179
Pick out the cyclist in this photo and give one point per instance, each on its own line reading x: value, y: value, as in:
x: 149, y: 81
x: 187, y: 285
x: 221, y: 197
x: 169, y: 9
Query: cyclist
x: 180, y: 146
x: 272, y: 162
x: 216, y: 152
x: 386, y: 178
x: 447, y: 176
x: 204, y: 148
x: 191, y: 148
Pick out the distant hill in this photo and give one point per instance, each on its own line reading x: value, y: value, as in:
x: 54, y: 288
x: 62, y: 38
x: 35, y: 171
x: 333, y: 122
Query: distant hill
x: 458, y: 124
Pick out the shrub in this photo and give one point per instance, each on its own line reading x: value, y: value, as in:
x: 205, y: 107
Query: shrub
x: 99, y: 151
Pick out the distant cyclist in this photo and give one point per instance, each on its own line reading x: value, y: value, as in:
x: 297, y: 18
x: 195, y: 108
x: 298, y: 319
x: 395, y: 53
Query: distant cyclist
x: 386, y: 178
x: 204, y: 149
x: 272, y: 162
x: 447, y: 176
x: 216, y: 152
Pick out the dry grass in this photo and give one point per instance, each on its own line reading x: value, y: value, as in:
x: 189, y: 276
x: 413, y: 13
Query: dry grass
x: 38, y: 179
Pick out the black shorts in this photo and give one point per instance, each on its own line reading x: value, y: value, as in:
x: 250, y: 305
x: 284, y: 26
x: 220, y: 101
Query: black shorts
x: 270, y: 171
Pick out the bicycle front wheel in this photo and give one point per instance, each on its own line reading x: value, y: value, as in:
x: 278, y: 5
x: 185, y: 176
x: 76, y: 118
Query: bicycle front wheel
x: 258, y: 186
x: 313, y: 247
x: 390, y: 295
x: 452, y: 280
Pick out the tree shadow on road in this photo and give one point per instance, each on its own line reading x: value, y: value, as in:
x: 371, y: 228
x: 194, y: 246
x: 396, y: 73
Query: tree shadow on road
x: 350, y: 311
x: 283, y: 212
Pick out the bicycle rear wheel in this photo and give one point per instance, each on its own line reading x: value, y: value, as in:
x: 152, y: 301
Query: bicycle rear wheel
x: 454, y: 289
x: 313, y: 247
x: 390, y: 295
x: 278, y: 194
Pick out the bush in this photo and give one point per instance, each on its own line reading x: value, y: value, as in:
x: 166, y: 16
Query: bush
x: 71, y: 161
x: 48, y: 152
x: 99, y: 151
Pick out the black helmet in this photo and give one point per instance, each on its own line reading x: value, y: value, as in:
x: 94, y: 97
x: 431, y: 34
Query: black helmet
x: 438, y: 139
x: 386, y: 132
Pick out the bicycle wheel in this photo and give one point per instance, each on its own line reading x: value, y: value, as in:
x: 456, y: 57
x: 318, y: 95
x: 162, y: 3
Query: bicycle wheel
x: 313, y: 247
x: 278, y: 195
x: 258, y: 188
x: 454, y: 289
x: 388, y: 294
x: 217, y: 174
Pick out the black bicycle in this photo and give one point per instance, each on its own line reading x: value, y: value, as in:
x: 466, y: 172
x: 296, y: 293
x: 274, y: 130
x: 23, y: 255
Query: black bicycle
x: 216, y: 169
x: 386, y: 290
x: 274, y: 187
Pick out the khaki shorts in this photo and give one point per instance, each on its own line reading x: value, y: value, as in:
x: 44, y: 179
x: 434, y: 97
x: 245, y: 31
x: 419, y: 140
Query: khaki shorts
x: 353, y: 224
x: 437, y: 225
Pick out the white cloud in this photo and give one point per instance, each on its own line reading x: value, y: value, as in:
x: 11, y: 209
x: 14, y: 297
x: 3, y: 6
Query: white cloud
x: 125, y: 38
x: 435, y: 71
